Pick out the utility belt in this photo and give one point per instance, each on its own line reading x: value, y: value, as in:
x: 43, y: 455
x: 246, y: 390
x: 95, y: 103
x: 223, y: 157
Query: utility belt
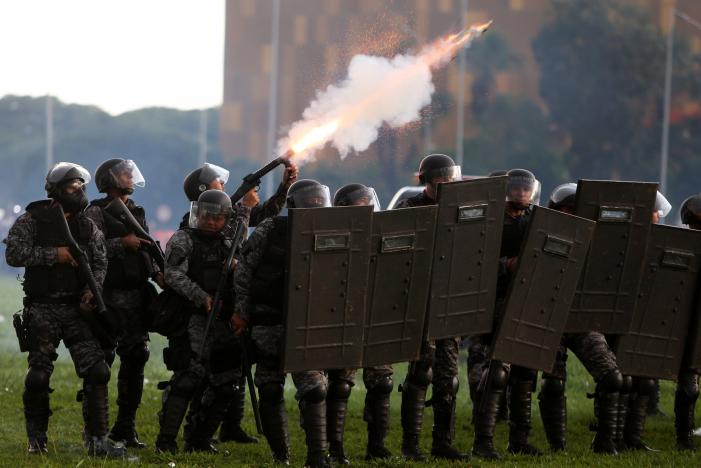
x: 72, y: 299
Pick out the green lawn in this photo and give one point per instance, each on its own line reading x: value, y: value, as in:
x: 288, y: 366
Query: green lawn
x: 66, y: 424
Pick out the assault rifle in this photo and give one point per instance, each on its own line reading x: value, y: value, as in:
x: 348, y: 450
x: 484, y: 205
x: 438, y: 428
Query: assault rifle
x: 119, y: 210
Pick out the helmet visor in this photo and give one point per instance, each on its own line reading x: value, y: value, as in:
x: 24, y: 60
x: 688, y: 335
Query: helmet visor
x: 315, y: 196
x: 212, y: 172
x: 362, y: 197
x: 126, y: 175
x: 67, y: 171
x: 561, y: 194
x: 202, y: 211
x: 443, y: 175
x: 522, y: 190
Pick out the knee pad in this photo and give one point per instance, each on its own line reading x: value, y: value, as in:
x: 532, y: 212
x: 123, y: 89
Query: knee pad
x: 420, y: 374
x: 315, y: 395
x: 339, y: 390
x: 688, y: 384
x: 612, y: 382
x: 498, y: 377
x: 271, y: 392
x: 37, y: 380
x: 645, y: 386
x: 552, y: 388
x: 98, y: 374
x: 627, y: 385
x: 138, y: 354
x: 383, y: 386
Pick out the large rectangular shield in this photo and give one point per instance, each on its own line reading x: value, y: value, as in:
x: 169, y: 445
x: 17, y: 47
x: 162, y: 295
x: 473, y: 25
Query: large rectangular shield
x: 325, y: 289
x: 401, y: 251
x: 541, y: 291
x: 605, y: 298
x: 654, y: 346
x: 465, y: 257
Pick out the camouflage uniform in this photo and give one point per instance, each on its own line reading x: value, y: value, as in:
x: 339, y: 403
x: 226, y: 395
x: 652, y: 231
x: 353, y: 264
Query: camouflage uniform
x: 438, y: 366
x: 53, y: 315
x: 127, y: 298
x: 685, y: 397
x: 193, y: 263
x: 266, y: 247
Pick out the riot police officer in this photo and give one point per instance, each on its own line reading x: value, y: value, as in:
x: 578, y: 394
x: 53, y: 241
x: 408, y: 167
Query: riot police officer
x: 204, y: 367
x: 687, y: 392
x: 259, y: 284
x: 520, y: 193
x: 378, y: 380
x: 438, y: 364
x: 594, y: 352
x: 56, y: 294
x: 127, y: 291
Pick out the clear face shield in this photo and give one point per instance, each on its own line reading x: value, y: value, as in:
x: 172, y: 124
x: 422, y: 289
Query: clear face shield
x: 521, y: 191
x: 443, y: 175
x: 362, y: 197
x: 208, y: 216
x: 211, y: 173
x: 126, y: 175
x: 66, y: 170
x: 315, y: 196
x: 662, y: 205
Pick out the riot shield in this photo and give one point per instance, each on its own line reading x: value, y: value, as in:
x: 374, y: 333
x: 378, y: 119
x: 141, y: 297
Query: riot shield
x: 605, y: 297
x: 325, y: 287
x: 654, y: 346
x: 541, y: 291
x: 465, y: 257
x: 401, y: 252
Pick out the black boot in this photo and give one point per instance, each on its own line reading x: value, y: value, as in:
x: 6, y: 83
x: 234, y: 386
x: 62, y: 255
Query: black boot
x: 623, y: 402
x: 377, y: 407
x: 98, y: 444
x: 653, y: 404
x: 607, y: 424
x: 336, y: 408
x: 488, y: 398
x: 170, y: 418
x: 520, y: 419
x: 36, y: 417
x: 231, y: 430
x: 312, y: 409
x: 553, y: 411
x: 274, y: 418
x: 444, y: 428
x: 684, y: 406
x: 637, y: 412
x: 413, y: 404
x: 130, y: 387
x: 205, y: 419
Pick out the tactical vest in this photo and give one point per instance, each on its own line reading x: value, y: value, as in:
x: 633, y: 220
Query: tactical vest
x: 130, y: 271
x: 59, y: 278
x: 206, y: 260
x: 268, y: 282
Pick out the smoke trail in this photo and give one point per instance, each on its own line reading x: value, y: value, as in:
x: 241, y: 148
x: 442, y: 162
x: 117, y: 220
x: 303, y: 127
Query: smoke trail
x: 376, y: 91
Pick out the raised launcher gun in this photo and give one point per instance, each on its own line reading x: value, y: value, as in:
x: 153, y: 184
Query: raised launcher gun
x: 252, y: 180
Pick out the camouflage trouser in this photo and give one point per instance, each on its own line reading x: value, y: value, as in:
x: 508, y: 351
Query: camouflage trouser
x: 221, y: 351
x: 371, y: 375
x: 268, y: 341
x: 591, y: 348
x: 442, y: 357
x: 476, y: 361
x: 48, y: 324
x: 126, y: 310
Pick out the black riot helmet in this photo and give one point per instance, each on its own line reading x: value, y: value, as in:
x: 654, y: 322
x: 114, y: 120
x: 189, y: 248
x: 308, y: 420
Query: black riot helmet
x: 563, y: 197
x: 497, y: 173
x: 211, y: 204
x: 121, y: 174
x: 66, y: 183
x: 308, y: 193
x: 521, y: 188
x: 690, y: 211
x: 435, y: 166
x: 355, y: 195
x: 200, y: 179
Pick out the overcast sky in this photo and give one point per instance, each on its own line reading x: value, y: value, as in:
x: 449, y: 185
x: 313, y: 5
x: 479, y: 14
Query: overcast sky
x: 117, y: 54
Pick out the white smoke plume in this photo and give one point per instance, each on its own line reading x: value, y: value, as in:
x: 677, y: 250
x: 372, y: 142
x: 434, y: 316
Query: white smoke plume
x: 376, y: 91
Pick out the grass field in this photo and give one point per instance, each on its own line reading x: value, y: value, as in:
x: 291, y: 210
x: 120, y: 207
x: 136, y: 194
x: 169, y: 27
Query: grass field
x: 66, y: 424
